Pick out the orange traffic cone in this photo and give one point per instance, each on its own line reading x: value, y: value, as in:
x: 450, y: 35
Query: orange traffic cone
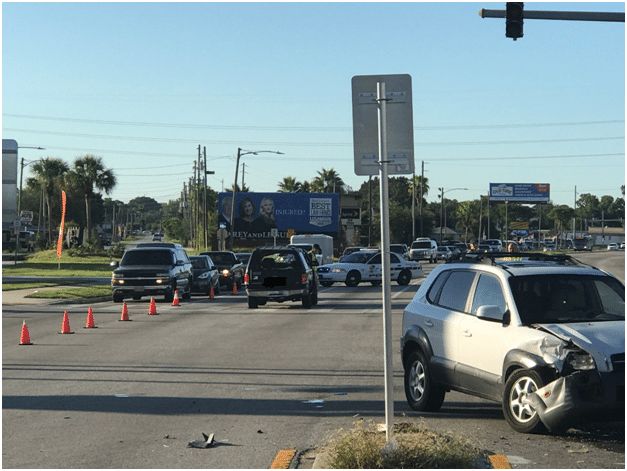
x: 90, y: 320
x: 25, y: 337
x: 211, y: 294
x: 65, y: 329
x: 152, y: 310
x: 176, y: 298
x: 234, y: 288
x: 124, y: 313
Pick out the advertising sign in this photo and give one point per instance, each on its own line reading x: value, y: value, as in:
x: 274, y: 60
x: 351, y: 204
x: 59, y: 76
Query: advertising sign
x: 530, y: 193
x: 256, y: 214
x: 350, y: 216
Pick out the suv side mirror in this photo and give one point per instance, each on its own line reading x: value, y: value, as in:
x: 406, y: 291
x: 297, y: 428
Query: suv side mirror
x: 490, y: 313
x: 114, y: 264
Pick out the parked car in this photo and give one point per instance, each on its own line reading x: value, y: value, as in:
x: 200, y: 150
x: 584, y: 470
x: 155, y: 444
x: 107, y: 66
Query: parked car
x: 484, y: 248
x: 280, y: 274
x: 612, y: 246
x: 555, y: 330
x: 243, y: 257
x: 230, y: 268
x: 152, y: 269
x: 424, y: 249
x: 206, y: 275
x: 400, y: 249
x: 365, y: 265
x: 456, y: 253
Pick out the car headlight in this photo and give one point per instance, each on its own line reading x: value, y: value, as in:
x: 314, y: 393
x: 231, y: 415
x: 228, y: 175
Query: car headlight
x: 162, y: 278
x: 204, y: 276
x: 580, y: 361
x: 226, y: 272
x: 337, y: 270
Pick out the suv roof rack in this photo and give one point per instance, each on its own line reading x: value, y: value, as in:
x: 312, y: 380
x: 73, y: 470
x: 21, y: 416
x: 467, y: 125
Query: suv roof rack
x: 170, y: 245
x: 501, y: 258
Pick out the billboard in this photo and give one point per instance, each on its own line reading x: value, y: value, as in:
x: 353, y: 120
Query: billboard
x: 530, y: 193
x: 9, y: 181
x: 256, y: 214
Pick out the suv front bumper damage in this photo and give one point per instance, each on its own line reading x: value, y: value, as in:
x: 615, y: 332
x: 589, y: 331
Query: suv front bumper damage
x: 569, y: 398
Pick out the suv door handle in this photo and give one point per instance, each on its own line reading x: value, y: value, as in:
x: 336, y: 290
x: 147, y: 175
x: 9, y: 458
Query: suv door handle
x: 429, y: 323
x: 467, y: 333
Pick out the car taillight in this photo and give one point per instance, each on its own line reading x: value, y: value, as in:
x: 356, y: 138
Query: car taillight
x: 246, y: 278
x: 303, y: 278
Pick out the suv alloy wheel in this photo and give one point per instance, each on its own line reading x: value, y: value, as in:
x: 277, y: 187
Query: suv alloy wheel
x: 422, y: 393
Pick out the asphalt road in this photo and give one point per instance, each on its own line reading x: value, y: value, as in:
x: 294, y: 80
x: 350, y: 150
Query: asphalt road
x: 133, y: 394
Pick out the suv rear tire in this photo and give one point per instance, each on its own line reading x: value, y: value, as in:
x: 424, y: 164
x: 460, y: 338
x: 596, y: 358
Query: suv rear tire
x: 423, y: 394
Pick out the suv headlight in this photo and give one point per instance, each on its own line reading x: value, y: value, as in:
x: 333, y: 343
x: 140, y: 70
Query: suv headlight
x: 162, y: 278
x: 580, y: 361
x: 204, y: 276
x: 226, y: 272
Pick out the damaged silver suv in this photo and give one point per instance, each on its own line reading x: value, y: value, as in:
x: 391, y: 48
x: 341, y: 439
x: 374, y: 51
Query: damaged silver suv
x: 542, y: 334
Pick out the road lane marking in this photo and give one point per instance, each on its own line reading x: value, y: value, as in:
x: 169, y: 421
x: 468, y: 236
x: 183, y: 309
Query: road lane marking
x: 499, y: 462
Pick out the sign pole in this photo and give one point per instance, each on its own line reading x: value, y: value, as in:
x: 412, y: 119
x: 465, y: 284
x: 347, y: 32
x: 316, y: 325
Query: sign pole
x: 385, y: 261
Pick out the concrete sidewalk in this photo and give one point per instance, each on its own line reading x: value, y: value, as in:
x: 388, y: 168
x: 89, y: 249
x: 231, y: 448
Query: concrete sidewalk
x: 18, y: 296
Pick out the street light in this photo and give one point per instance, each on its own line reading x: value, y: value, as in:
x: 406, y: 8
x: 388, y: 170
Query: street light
x: 442, y: 206
x: 241, y: 154
x: 19, y: 198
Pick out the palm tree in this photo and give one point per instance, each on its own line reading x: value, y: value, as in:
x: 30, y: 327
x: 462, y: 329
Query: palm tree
x: 290, y: 185
x: 89, y: 172
x: 327, y: 181
x: 48, y: 173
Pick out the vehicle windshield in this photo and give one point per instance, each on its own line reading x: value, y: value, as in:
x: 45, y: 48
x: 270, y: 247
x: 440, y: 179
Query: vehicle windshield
x: 199, y: 262
x: 147, y: 257
x: 358, y: 257
x: 544, y: 299
x: 222, y: 258
x: 421, y: 245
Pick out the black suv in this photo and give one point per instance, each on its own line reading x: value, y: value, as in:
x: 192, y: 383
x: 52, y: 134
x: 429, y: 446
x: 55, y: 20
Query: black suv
x: 152, y: 269
x: 280, y: 274
x: 231, y: 269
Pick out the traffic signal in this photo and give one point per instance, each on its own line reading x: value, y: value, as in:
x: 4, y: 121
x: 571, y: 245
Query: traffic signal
x: 514, y: 20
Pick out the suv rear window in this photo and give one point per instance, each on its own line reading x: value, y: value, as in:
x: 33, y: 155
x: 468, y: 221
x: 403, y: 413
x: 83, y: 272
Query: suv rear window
x: 455, y: 291
x: 147, y: 257
x: 421, y: 245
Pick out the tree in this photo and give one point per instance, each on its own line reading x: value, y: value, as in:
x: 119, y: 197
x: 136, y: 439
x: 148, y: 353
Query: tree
x: 562, y: 215
x: 467, y: 213
x: 48, y: 172
x: 328, y: 181
x: 89, y: 173
x: 290, y: 185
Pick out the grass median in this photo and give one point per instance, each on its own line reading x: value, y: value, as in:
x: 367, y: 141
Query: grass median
x: 45, y: 264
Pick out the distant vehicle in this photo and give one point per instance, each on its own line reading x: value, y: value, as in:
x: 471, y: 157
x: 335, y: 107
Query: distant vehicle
x: 243, y: 257
x: 424, y: 249
x: 325, y: 243
x: 622, y: 245
x: 365, y: 266
x: 457, y: 254
x: 280, y: 274
x: 400, y: 249
x: 152, y: 269
x: 612, y: 246
x: 495, y: 244
x: 445, y: 254
x: 230, y: 268
x: 206, y: 275
x: 583, y: 243
x: 484, y: 248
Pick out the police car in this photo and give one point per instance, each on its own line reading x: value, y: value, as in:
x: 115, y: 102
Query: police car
x: 365, y: 265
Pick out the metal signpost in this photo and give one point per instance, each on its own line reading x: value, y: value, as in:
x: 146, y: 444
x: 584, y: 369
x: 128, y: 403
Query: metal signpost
x: 392, y: 151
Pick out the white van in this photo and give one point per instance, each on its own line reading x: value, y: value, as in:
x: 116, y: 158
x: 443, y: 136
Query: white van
x: 325, y: 243
x: 424, y: 248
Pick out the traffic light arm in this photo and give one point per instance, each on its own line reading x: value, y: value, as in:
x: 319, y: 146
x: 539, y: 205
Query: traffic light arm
x: 616, y: 17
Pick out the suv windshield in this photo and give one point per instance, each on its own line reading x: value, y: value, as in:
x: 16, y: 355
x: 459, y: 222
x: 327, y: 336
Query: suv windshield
x: 421, y: 245
x: 199, y: 262
x: 222, y: 258
x: 147, y: 257
x: 567, y: 298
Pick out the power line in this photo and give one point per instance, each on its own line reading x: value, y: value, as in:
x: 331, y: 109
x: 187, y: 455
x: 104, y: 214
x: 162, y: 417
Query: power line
x: 302, y: 128
x: 307, y: 144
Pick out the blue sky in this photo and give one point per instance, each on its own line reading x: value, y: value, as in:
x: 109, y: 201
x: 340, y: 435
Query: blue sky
x: 143, y: 84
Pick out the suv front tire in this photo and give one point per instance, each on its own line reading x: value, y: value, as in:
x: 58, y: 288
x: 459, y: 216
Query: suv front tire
x: 521, y: 416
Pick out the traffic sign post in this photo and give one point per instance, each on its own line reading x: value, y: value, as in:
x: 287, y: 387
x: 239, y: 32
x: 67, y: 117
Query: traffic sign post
x: 391, y: 152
